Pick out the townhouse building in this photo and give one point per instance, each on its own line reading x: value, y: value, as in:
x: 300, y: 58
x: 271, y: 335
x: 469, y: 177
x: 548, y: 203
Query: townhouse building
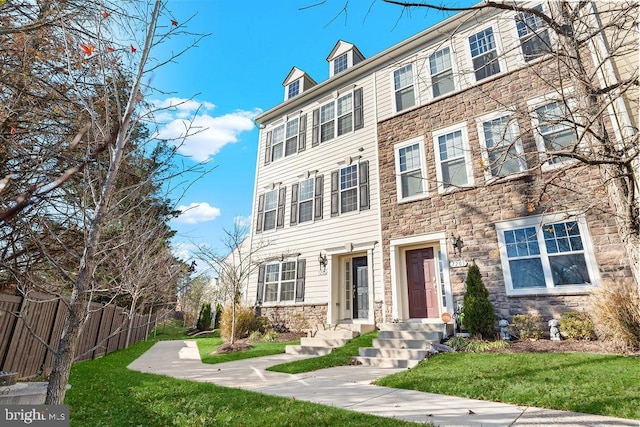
x: 376, y: 188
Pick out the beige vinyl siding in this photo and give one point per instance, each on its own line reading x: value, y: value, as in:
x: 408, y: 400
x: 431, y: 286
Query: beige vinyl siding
x: 309, y: 238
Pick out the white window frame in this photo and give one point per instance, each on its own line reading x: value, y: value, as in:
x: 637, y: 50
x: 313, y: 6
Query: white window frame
x: 419, y: 141
x: 356, y: 187
x: 274, y: 210
x: 531, y: 34
x: 540, y: 102
x: 414, y: 86
x: 539, y: 222
x: 310, y: 200
x: 335, y: 118
x: 515, y: 129
x: 280, y: 281
x: 462, y: 127
x: 286, y: 138
x: 454, y: 71
x: 336, y: 63
x: 294, y: 84
x: 498, y: 50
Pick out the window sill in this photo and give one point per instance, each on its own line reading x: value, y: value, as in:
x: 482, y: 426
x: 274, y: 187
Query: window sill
x: 556, y: 291
x: 412, y: 199
x: 491, y: 180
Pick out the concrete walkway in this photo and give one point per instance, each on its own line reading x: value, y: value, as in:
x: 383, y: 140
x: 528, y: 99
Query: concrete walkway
x: 349, y: 387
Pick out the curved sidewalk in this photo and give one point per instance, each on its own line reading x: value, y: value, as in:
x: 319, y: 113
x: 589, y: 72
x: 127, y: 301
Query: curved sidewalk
x: 349, y: 387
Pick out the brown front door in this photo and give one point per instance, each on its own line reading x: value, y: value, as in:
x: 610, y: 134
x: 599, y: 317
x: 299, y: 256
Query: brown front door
x: 421, y: 280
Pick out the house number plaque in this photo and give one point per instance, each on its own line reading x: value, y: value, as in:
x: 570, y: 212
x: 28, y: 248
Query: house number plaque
x: 459, y: 263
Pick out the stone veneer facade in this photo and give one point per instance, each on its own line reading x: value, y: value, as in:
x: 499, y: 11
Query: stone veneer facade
x: 472, y: 212
x: 298, y: 317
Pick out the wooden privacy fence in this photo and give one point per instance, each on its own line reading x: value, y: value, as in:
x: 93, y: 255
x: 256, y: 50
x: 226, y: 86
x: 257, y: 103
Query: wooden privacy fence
x: 24, y: 320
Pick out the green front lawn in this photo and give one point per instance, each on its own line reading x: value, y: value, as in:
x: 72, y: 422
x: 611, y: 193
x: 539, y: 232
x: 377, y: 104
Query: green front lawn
x: 105, y: 393
x: 258, y: 349
x: 591, y: 383
x: 338, y: 357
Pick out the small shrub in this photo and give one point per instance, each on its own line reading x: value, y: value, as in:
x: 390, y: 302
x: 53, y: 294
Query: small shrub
x: 255, y: 336
x: 457, y: 343
x: 479, y: 315
x: 204, y: 319
x: 481, y: 346
x: 218, y: 316
x: 245, y: 322
x: 615, y: 309
x: 270, y: 336
x: 577, y: 326
x: 261, y: 324
x: 527, y: 326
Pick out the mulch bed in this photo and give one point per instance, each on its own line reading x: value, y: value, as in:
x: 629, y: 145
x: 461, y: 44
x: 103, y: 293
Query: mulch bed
x: 564, y: 346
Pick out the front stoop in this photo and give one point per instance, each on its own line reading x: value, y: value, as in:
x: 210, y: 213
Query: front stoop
x: 400, y: 345
x: 324, y: 338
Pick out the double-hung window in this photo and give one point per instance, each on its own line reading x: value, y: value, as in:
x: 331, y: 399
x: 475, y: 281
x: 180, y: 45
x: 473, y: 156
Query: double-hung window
x: 344, y: 106
x: 555, y: 132
x: 270, y: 209
x: 404, y: 88
x: 441, y: 70
x: 340, y: 64
x: 484, y: 54
x: 349, y: 188
x: 503, y: 153
x: 410, y: 170
x: 533, y: 34
x: 327, y: 122
x: 293, y: 89
x: 340, y: 111
x: 453, y: 166
x: 546, y: 255
x: 306, y: 200
x: 285, y: 140
x: 280, y: 281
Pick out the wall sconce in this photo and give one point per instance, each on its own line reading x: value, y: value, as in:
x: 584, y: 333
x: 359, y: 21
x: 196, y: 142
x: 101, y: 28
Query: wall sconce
x: 323, y: 261
x: 457, y: 244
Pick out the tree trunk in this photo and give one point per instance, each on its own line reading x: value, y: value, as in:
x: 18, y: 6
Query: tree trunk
x: 233, y: 322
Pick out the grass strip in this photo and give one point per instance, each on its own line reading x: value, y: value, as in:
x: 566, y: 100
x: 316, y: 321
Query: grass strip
x: 340, y: 356
x: 105, y: 393
x: 591, y: 383
x: 258, y: 349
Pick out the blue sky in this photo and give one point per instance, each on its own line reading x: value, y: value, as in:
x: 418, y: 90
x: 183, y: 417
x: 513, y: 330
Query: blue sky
x: 238, y: 71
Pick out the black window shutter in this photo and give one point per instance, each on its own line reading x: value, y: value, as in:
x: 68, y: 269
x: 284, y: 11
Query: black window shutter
x: 293, y: 220
x: 300, y: 280
x: 335, y: 194
x: 315, y: 130
x: 260, y: 290
x: 260, y: 220
x: 358, y: 113
x: 302, y: 134
x: 318, y: 197
x: 267, y: 149
x: 364, y: 185
x: 281, y: 200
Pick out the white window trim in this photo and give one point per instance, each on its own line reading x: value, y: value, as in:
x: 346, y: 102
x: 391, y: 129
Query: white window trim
x: 539, y: 221
x: 467, y: 156
x: 553, y: 40
x: 499, y: 53
x: 416, y: 91
x: 454, y: 70
x: 488, y: 176
x: 279, y: 301
x: 264, y: 213
x: 299, y: 82
x: 283, y: 124
x: 541, y: 101
x: 334, y: 101
x: 357, y: 187
x: 313, y: 197
x: 423, y: 169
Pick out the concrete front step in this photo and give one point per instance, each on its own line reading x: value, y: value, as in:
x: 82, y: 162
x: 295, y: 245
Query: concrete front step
x: 309, y: 350
x: 323, y: 342
x: 335, y: 334
x: 393, y: 353
x: 400, y: 343
x: 410, y: 335
x: 411, y: 326
x: 385, y: 363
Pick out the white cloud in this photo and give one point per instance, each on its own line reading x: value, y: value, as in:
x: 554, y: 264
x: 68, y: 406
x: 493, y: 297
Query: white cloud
x: 197, y: 133
x: 242, y: 221
x: 183, y: 251
x: 196, y: 213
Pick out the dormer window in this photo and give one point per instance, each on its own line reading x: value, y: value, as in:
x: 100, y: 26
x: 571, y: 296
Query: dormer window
x: 340, y: 64
x: 293, y: 89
